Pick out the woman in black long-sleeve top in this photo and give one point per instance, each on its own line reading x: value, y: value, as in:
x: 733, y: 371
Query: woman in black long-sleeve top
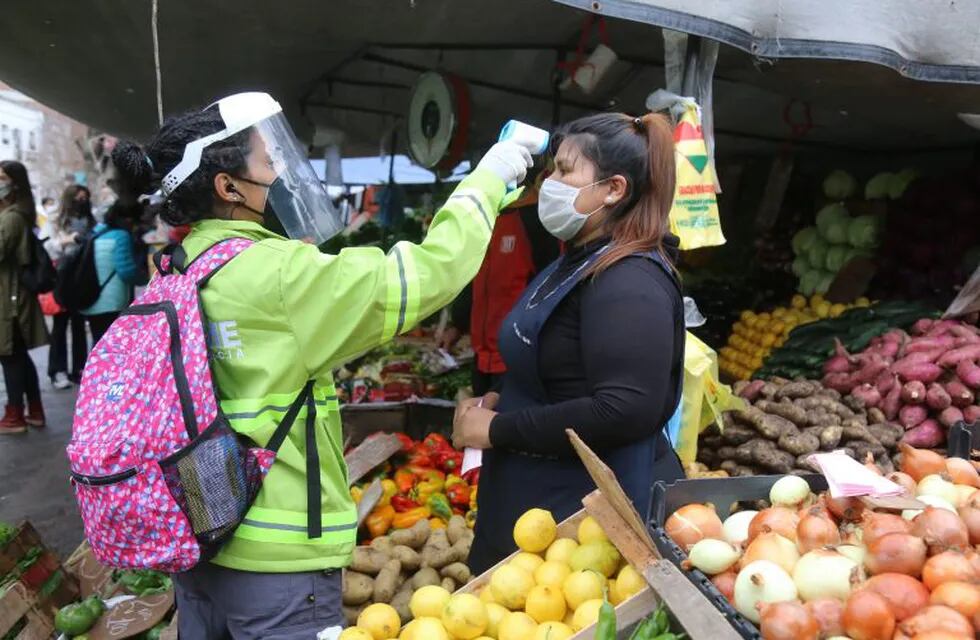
x: 596, y: 343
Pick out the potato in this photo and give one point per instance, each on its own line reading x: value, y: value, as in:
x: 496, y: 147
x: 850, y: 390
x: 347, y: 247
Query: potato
x: 833, y: 394
x: 424, y: 577
x: 409, y: 557
x: 386, y: 583
x: 875, y: 416
x: 449, y: 584
x: 799, y: 444
x: 712, y: 442
x: 804, y: 462
x: 885, y: 434
x: 802, y: 389
x: 785, y: 409
x: 456, y: 529
x: 745, y: 471
x: 352, y: 613
x: 368, y: 560
x: 382, y: 543
x: 358, y: 588
x: 830, y: 437
x: 770, y: 426
x: 728, y: 466
x: 856, y: 432
x: 736, y: 434
x: 414, y: 537
x: 775, y: 460
x: 769, y: 390
x: 707, y: 457
x: 458, y: 572
x: 862, y: 449
x: 461, y: 550
x: 400, y: 602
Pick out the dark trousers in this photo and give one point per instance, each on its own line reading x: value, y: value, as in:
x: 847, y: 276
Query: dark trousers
x: 100, y: 323
x: 19, y: 373
x: 58, y: 354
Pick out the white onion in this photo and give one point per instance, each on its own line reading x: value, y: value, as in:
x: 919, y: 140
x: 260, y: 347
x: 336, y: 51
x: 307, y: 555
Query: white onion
x: 826, y: 574
x: 736, y: 527
x: 935, y: 485
x: 853, y: 552
x: 761, y: 581
x: 932, y: 501
x: 963, y: 493
x: 789, y: 491
x: 713, y: 556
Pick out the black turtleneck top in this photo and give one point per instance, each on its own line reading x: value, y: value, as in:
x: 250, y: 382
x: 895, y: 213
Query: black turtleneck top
x: 610, y: 358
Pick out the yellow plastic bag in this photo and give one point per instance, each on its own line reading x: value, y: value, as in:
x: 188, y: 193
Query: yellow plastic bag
x: 704, y: 398
x: 694, y: 215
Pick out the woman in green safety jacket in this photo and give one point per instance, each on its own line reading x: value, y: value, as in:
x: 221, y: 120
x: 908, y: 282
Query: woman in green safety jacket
x: 283, y: 313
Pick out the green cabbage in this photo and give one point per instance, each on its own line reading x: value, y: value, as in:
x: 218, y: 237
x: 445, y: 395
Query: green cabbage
x: 800, y: 266
x: 900, y: 182
x: 879, y: 186
x: 837, y: 231
x: 803, y: 240
x: 863, y: 232
x: 839, y: 185
x: 817, y: 254
x: 824, y: 282
x: 837, y: 257
x: 829, y: 215
x: 809, y: 282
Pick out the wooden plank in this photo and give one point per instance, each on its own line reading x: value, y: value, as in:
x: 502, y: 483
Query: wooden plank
x: 692, y: 610
x: 15, y: 602
x: 170, y: 633
x: 605, y: 479
x: 370, y: 454
x: 369, y: 499
x: 628, y: 613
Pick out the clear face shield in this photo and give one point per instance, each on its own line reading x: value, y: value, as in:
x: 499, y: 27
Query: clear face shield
x: 295, y: 197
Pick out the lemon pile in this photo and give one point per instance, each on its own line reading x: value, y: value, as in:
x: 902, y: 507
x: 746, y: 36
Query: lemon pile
x: 755, y: 335
x: 551, y: 589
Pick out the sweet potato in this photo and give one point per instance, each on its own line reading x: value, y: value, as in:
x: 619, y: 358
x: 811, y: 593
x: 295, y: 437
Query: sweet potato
x: 950, y: 416
x: 922, y: 371
x: 867, y: 394
x: 784, y: 409
x: 971, y: 414
x: 959, y: 395
x: 885, y: 382
x: 386, y: 583
x: 357, y: 588
x: 837, y: 364
x: 912, y: 415
x: 953, y: 357
x: 793, y: 390
x: 841, y: 382
x: 799, y: 444
x: 969, y: 373
x: 369, y: 561
x: 914, y: 392
x: 891, y: 402
x: 937, y: 398
x: 942, y: 327
x: 750, y: 390
x: 925, y: 436
x: 929, y: 344
x: 869, y: 371
x: 922, y: 325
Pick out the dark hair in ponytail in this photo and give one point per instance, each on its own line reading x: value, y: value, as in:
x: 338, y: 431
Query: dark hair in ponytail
x: 194, y: 199
x: 17, y: 173
x: 642, y: 151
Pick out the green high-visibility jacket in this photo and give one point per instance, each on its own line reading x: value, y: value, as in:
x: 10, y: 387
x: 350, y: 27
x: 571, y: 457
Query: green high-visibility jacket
x: 282, y: 313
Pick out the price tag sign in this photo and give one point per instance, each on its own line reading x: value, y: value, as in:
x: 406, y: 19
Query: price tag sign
x: 132, y: 617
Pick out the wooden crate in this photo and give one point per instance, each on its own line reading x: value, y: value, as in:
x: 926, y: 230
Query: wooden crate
x: 47, y: 567
x: 18, y: 607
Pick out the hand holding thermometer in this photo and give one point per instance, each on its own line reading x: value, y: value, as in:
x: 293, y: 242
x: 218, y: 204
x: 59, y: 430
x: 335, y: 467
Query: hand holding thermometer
x: 533, y: 139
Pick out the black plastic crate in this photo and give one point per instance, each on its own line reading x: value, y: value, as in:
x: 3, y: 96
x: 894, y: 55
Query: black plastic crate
x: 720, y: 492
x: 962, y: 439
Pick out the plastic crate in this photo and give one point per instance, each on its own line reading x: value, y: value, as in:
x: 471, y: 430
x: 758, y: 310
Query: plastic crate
x: 962, y: 439
x: 416, y: 419
x: 722, y: 493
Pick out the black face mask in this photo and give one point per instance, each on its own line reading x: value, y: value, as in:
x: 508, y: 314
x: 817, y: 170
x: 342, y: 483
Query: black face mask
x: 82, y: 208
x: 278, y: 199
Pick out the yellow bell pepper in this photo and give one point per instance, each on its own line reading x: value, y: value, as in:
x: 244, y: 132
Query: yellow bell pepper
x: 378, y: 521
x: 437, y: 523
x: 452, y: 479
x: 424, y: 490
x: 388, y: 489
x: 356, y: 493
x: 473, y: 491
x: 471, y: 518
x: 408, y: 518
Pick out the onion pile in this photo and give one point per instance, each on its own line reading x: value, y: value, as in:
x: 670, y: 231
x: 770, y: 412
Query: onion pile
x: 819, y: 567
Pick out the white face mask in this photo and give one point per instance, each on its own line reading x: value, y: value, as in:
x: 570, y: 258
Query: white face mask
x: 556, y: 208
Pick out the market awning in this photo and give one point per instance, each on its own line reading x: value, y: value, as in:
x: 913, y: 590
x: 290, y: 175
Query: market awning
x: 921, y: 39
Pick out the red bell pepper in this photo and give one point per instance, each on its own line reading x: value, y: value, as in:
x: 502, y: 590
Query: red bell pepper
x: 401, y: 504
x: 459, y: 495
x: 472, y: 477
x: 419, y: 457
x: 436, y: 442
x: 450, y: 461
x: 407, y: 443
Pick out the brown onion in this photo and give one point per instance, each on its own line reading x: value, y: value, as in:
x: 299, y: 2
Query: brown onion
x: 875, y: 525
x: 905, y: 595
x: 962, y: 472
x: 786, y: 621
x: 932, y: 635
x: 896, y: 553
x: 941, y: 529
x: 970, y: 516
x: 776, y: 520
x: 693, y: 523
x: 827, y: 612
x: 937, y: 618
x: 774, y: 548
x: 948, y: 566
x: 867, y: 616
x: 903, y: 480
x: 962, y: 596
x: 819, y: 507
x: 725, y: 583
x: 920, y: 463
x: 849, y: 509
x: 870, y: 465
x: 815, y: 531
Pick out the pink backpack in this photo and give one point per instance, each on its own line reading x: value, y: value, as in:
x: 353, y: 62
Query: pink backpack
x: 160, y: 477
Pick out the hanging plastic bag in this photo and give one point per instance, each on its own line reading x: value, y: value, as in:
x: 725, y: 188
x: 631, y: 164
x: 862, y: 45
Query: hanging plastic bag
x: 694, y: 215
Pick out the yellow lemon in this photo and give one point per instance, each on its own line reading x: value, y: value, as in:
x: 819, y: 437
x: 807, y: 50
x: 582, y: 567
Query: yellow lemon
x: 836, y: 310
x: 798, y: 302
x: 629, y: 582
x: 823, y: 310
x: 510, y: 585
x: 355, y: 633
x: 424, y: 629
x: 586, y: 614
x: 862, y: 302
x: 486, y: 595
x: 561, y: 550
x: 529, y: 561
x: 535, y: 530
x: 745, y: 315
x: 551, y: 573
x: 545, y: 602
x: 495, y: 613
x: 581, y: 586
x: 599, y: 556
x: 465, y: 617
x: 590, y: 531
x: 554, y: 631
x: 429, y: 601
x: 815, y: 300
x: 381, y: 621
x: 516, y: 625
x: 613, y: 591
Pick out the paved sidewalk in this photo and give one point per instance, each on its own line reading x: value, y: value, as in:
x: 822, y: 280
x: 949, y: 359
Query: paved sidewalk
x: 34, y: 470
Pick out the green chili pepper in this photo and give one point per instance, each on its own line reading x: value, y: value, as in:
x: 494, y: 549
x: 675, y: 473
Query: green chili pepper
x: 605, y: 626
x: 661, y: 622
x: 644, y: 630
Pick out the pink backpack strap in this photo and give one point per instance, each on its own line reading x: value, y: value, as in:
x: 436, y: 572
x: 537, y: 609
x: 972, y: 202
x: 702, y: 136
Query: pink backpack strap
x: 173, y: 257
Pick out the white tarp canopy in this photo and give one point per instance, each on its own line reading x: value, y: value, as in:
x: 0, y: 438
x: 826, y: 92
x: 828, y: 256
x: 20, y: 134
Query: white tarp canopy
x: 922, y: 39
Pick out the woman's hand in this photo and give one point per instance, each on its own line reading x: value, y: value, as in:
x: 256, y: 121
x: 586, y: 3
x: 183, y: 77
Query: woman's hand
x: 471, y: 424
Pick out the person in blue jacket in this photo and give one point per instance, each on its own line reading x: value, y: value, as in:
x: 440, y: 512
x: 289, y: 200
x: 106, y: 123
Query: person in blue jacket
x: 117, y: 268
